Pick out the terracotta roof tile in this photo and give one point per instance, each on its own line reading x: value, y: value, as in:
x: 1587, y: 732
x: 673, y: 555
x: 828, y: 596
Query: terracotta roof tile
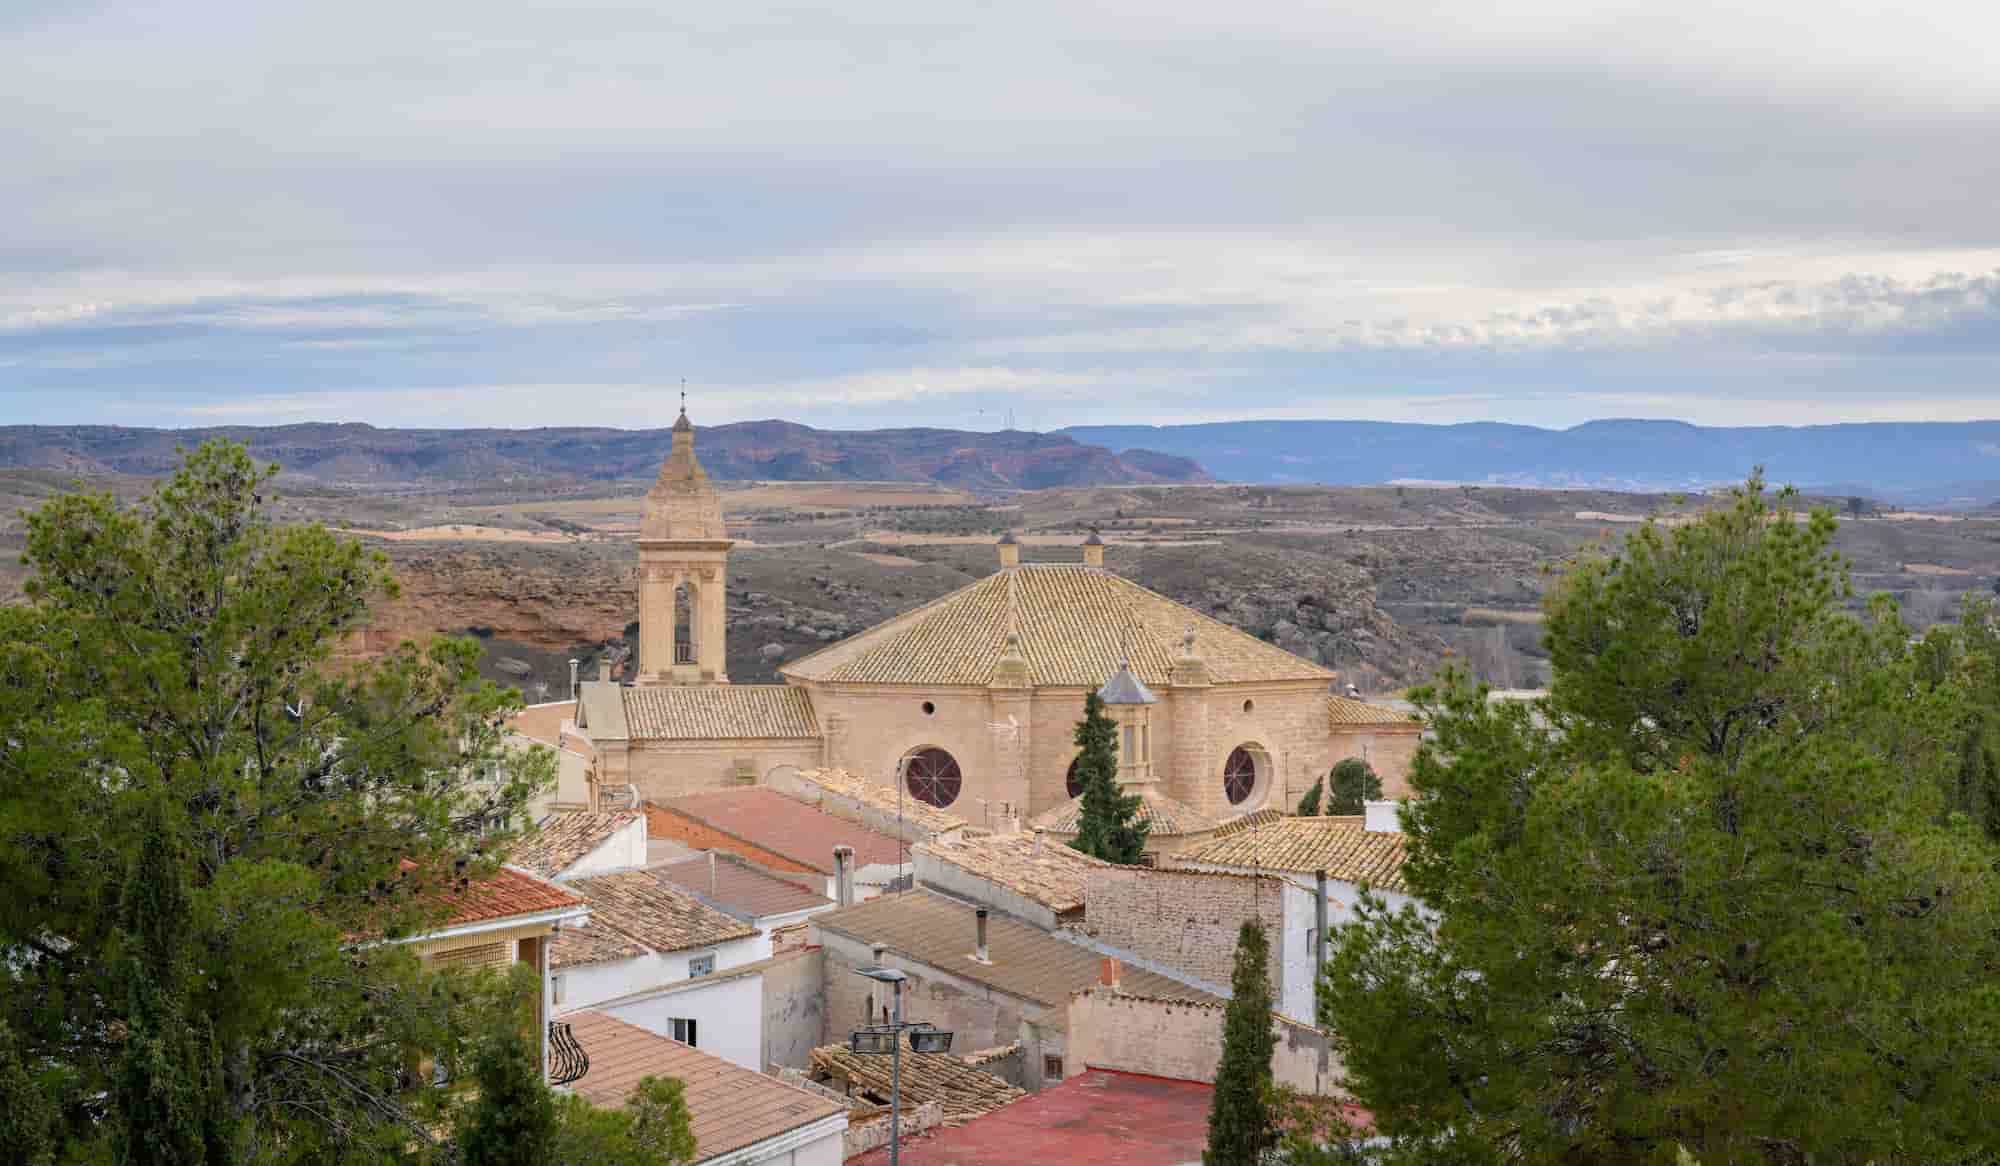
x: 563, y: 838
x: 1342, y: 846
x: 768, y: 819
x: 1075, y: 624
x: 729, y: 1107
x: 882, y: 796
x: 507, y: 893
x: 962, y: 1091
x: 1026, y: 961
x: 592, y: 943
x: 1342, y: 711
x: 1168, y: 816
x: 1045, y: 870
x: 717, y: 711
x: 1098, y: 1116
x: 657, y: 913
x: 738, y: 888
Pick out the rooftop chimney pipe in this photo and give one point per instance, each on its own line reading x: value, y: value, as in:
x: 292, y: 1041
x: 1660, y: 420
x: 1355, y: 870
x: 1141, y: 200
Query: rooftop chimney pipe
x: 979, y: 922
x: 1319, y: 924
x: 843, y: 875
x: 1108, y: 972
x: 604, y: 666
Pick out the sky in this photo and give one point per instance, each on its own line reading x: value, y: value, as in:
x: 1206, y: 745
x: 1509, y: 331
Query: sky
x: 891, y: 212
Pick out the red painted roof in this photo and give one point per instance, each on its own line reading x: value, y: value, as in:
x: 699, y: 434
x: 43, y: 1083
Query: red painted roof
x: 509, y: 892
x: 768, y: 819
x: 1100, y: 1117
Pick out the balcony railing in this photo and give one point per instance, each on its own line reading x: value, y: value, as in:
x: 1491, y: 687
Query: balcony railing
x: 567, y: 1060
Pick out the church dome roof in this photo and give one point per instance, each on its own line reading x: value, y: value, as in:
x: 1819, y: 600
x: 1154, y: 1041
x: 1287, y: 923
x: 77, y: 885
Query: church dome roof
x: 1075, y: 624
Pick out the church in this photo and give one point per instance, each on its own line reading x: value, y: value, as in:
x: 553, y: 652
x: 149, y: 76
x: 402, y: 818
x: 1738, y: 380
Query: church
x: 969, y: 702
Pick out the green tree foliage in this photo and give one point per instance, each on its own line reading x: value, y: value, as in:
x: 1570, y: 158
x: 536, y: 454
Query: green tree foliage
x: 201, y: 810
x: 1709, y: 895
x: 1108, y: 825
x: 653, y: 1128
x: 1352, y: 783
x: 513, y: 1120
x: 1242, y: 1122
x: 1309, y: 804
x: 28, y: 1119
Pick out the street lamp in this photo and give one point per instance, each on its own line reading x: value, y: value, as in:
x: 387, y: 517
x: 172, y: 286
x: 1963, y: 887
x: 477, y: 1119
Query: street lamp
x: 888, y: 1038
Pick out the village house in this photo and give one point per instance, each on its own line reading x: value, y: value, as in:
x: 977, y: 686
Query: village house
x: 571, y: 844
x: 782, y: 835
x: 644, y: 932
x: 968, y: 702
x: 1347, y: 852
x: 778, y: 908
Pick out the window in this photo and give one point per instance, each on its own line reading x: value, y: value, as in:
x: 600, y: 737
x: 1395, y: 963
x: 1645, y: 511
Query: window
x: 699, y: 966
x: 1052, y: 1068
x: 1072, y: 784
x: 932, y: 777
x: 682, y: 1029
x: 1239, y: 775
x: 1248, y: 705
x: 930, y: 709
x: 1131, y: 745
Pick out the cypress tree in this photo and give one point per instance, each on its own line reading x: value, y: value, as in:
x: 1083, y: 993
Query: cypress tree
x: 1309, y: 805
x: 1352, y: 783
x: 27, y: 1116
x: 1107, y: 823
x: 1241, y: 1124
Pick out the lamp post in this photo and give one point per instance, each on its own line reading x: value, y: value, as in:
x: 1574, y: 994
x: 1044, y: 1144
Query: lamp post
x: 869, y: 1038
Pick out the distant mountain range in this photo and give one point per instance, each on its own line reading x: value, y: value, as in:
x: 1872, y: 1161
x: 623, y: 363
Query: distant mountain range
x: 362, y: 455
x: 1943, y: 463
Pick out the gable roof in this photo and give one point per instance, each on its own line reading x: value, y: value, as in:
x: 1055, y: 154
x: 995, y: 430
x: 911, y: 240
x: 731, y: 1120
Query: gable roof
x: 1343, y: 710
x: 729, y: 1107
x: 562, y: 838
x: 504, y: 895
x: 1342, y: 846
x: 784, y: 826
x: 1044, y: 870
x: 657, y: 913
x: 717, y: 711
x: 1167, y: 815
x: 737, y: 887
x: 1075, y: 624
x: 1026, y: 961
x: 595, y: 942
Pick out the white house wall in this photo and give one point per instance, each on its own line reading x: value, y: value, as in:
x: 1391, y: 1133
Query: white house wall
x: 592, y: 984
x: 728, y: 1015
x: 624, y: 850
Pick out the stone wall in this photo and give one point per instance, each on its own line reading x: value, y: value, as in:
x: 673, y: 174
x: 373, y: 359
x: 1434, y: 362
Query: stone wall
x: 667, y: 769
x: 1183, y: 1039
x: 1388, y: 753
x: 1188, y: 920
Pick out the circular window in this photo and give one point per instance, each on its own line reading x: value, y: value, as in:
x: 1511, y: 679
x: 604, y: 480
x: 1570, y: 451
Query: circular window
x: 1239, y: 775
x: 933, y: 777
x: 1248, y: 705
x: 929, y: 709
x: 1072, y: 783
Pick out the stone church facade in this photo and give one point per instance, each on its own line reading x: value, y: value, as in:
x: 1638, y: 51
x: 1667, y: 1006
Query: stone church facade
x: 970, y: 700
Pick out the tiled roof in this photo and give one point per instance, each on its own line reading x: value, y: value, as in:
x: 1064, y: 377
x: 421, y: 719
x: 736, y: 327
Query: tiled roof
x: 729, y: 1107
x: 1098, y: 1116
x: 882, y: 796
x: 1045, y: 870
x: 717, y: 711
x: 1342, y: 846
x: 1075, y: 624
x: 962, y: 1091
x: 1341, y: 710
x: 506, y: 894
x: 768, y: 819
x: 739, y: 888
x: 657, y: 913
x: 543, y: 722
x: 592, y: 943
x: 1167, y: 815
x: 563, y: 838
x: 1250, y: 821
x: 1026, y: 961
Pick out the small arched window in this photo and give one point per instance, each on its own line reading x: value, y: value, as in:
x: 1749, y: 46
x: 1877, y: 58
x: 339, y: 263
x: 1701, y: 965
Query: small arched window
x: 1072, y: 783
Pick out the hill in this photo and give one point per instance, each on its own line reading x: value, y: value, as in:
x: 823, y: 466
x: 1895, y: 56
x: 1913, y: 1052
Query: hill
x: 362, y: 455
x: 1943, y: 463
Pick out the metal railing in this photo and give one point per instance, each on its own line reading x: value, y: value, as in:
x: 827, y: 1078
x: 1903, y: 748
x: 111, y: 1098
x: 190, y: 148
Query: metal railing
x: 567, y: 1060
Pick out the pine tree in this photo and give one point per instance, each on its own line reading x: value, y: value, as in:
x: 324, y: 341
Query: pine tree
x: 1309, y: 805
x: 1108, y: 826
x: 27, y: 1115
x: 1241, y: 1121
x: 1709, y: 894
x: 514, y: 1120
x: 1351, y: 784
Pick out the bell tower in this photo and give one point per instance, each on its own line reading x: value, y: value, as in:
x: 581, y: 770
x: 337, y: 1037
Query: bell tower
x: 683, y: 571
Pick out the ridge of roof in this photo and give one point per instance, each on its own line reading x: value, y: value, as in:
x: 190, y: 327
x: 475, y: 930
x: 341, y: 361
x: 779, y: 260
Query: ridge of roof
x: 1342, y: 846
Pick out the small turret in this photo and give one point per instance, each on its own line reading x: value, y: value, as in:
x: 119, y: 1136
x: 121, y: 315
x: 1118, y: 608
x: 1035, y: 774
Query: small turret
x: 1093, y: 550
x: 1010, y: 550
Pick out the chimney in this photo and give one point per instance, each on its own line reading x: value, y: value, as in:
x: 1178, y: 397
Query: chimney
x: 1093, y: 550
x: 1010, y: 550
x: 604, y: 667
x: 1319, y: 924
x: 979, y: 923
x: 1381, y: 817
x: 843, y: 875
x: 1036, y: 852
x: 711, y: 874
x: 1108, y: 971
